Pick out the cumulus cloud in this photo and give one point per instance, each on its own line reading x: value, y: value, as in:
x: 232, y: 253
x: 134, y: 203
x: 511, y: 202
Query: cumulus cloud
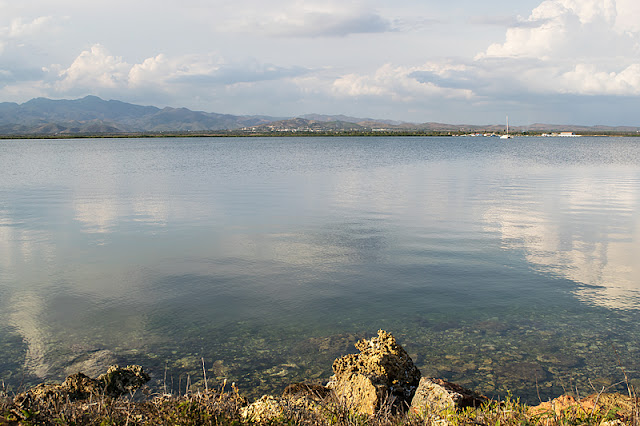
x: 204, y: 71
x: 582, y: 47
x: 94, y: 68
x: 564, y: 48
x: 587, y: 79
x: 161, y: 69
x: 396, y: 83
x: 563, y: 29
x: 164, y: 78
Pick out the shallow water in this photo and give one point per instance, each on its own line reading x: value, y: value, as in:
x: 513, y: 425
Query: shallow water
x: 501, y: 265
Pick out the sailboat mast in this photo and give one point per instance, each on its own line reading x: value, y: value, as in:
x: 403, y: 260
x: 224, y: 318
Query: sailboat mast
x: 507, y: 124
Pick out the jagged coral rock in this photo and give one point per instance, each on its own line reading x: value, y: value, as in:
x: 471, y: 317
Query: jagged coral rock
x: 266, y: 408
x: 437, y: 395
x: 272, y: 410
x: 118, y: 381
x: 115, y: 382
x: 381, y: 372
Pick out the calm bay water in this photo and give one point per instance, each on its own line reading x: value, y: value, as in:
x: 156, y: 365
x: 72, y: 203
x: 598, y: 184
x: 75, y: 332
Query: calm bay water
x: 497, y: 264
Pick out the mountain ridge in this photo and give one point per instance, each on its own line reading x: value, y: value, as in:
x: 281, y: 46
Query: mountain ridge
x: 93, y: 115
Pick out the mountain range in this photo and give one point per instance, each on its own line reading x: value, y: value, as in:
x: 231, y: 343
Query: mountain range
x: 94, y: 116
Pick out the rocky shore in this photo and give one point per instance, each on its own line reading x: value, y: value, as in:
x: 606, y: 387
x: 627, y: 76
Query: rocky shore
x: 378, y: 385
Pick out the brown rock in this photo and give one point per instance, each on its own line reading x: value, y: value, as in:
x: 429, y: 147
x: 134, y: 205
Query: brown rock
x: 121, y: 380
x: 558, y: 406
x: 116, y: 382
x: 382, y: 372
x: 437, y: 395
x: 623, y: 406
x: 75, y: 387
x: 311, y: 391
x: 273, y: 411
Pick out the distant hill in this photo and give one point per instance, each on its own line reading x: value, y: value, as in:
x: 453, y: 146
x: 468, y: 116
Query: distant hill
x: 345, y: 118
x: 93, y: 116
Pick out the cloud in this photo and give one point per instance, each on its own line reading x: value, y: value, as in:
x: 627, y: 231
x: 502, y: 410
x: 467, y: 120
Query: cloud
x: 564, y: 30
x: 94, y: 68
x: 321, y: 24
x: 577, y: 50
x: 161, y: 69
x: 395, y: 83
x: 204, y: 71
x: 451, y: 79
x: 587, y: 79
x: 305, y: 19
x: 565, y: 47
x: 507, y: 21
x: 18, y: 28
x: 17, y: 31
x: 163, y: 79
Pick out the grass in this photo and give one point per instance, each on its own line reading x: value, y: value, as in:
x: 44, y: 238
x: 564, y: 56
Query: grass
x: 226, y: 406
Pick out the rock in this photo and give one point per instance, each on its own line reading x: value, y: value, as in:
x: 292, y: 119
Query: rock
x: 382, y: 372
x: 91, y: 363
x: 437, y: 395
x: 79, y: 386
x: 622, y: 406
x: 116, y: 382
x: 556, y: 407
x: 311, y: 391
x: 271, y: 410
x: 265, y: 409
x: 615, y: 422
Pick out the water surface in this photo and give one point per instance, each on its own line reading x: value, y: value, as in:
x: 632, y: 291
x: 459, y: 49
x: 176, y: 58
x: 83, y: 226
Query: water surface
x: 497, y: 264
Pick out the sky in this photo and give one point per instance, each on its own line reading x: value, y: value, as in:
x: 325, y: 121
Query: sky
x: 460, y: 61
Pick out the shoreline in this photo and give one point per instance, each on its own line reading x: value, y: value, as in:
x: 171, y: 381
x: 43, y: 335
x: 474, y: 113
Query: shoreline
x: 378, y: 385
x: 242, y: 134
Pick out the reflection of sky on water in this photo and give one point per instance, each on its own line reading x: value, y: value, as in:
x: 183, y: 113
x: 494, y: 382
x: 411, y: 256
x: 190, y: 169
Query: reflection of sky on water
x: 585, y: 228
x: 206, y: 237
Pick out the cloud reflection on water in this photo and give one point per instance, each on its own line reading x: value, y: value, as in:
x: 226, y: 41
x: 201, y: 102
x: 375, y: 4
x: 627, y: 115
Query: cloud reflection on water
x: 582, y: 228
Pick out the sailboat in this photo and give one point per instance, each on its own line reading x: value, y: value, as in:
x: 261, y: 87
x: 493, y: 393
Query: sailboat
x: 507, y: 135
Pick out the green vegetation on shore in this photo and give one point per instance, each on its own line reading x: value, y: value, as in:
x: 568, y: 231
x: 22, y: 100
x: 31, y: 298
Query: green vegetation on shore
x: 241, y: 133
x: 226, y: 406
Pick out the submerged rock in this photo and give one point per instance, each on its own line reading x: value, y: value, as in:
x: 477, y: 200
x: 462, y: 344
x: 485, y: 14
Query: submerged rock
x: 437, y: 395
x: 91, y: 363
x: 381, y: 373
